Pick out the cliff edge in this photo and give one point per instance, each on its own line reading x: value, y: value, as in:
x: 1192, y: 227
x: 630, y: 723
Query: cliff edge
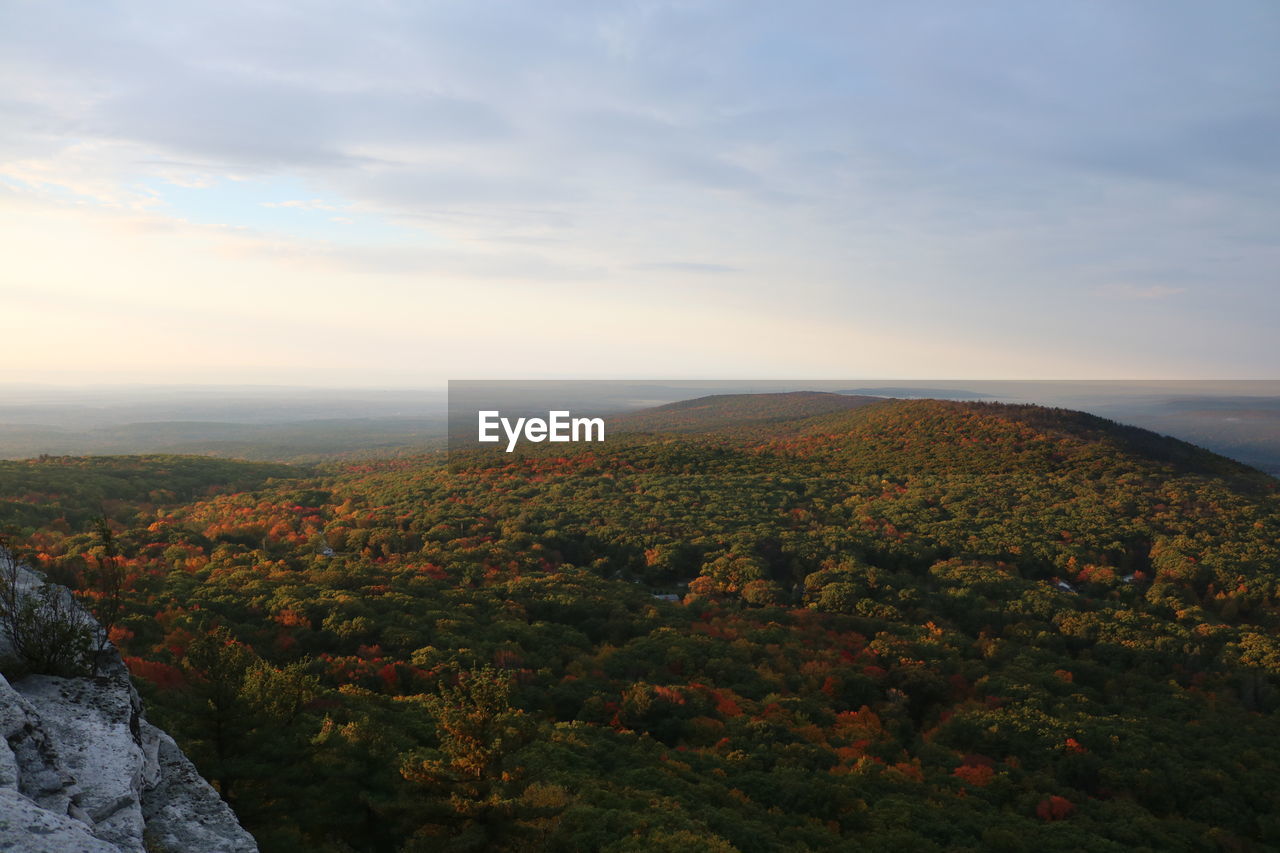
x: 82, y: 771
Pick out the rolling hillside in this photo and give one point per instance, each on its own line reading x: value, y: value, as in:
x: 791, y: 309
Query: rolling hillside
x: 830, y: 625
x: 734, y: 411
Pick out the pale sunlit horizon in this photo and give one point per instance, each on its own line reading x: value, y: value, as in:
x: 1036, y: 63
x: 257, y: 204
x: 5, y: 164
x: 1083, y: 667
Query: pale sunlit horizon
x: 396, y: 194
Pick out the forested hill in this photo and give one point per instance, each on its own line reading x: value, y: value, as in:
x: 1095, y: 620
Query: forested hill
x: 72, y: 490
x: 729, y: 411
x: 877, y: 424
x: 909, y: 626
x: 1018, y: 436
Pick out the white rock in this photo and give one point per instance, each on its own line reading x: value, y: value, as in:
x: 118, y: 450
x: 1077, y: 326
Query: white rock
x: 82, y: 771
x: 27, y: 828
x: 182, y: 810
x: 90, y: 721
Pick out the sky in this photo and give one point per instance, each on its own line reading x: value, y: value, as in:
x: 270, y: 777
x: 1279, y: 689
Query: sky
x: 391, y: 194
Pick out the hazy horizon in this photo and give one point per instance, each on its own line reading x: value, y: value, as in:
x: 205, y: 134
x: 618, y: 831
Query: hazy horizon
x: 1239, y: 418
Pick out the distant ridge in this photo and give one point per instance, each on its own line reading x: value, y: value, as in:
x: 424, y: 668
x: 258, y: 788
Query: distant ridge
x: 726, y: 411
x: 866, y: 421
x: 949, y: 427
x: 907, y: 393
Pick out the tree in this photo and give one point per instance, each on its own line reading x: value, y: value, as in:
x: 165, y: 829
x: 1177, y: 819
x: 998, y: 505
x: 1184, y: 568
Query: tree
x: 479, y: 796
x: 106, y: 581
x: 245, y: 721
x: 46, y: 630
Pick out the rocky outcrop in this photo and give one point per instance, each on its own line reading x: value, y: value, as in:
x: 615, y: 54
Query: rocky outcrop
x: 82, y: 771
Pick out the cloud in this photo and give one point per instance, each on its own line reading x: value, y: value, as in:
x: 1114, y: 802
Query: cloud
x: 971, y: 168
x: 1143, y: 292
x: 310, y: 204
x: 686, y: 266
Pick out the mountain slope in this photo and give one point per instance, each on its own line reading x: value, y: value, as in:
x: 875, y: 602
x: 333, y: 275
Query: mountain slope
x: 1012, y: 431
x: 914, y: 625
x: 731, y: 411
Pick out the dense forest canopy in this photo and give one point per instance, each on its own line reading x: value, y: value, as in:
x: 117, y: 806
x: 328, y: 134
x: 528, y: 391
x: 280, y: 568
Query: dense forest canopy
x: 900, y: 625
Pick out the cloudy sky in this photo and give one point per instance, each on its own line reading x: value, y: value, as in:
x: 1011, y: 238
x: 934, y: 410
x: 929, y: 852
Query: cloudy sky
x: 395, y: 193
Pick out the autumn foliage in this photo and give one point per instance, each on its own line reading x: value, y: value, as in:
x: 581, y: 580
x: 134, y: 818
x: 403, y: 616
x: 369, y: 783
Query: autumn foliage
x: 908, y: 625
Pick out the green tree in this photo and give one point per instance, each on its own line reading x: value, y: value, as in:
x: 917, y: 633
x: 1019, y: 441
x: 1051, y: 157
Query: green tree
x: 472, y: 792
